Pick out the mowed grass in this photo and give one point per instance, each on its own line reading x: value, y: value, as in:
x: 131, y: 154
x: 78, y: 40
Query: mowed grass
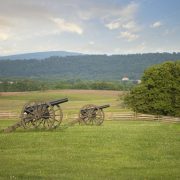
x: 115, y: 150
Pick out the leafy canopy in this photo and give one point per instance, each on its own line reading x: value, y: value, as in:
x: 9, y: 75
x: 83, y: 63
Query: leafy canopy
x: 159, y: 92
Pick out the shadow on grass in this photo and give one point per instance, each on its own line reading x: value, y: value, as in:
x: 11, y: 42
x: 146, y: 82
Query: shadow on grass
x: 61, y: 128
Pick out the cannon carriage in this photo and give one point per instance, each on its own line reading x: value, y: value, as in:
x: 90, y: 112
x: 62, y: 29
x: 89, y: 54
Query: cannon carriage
x: 91, y: 114
x: 42, y: 114
x: 48, y: 115
x: 38, y: 114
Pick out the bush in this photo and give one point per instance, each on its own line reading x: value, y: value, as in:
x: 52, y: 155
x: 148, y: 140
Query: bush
x: 159, y: 92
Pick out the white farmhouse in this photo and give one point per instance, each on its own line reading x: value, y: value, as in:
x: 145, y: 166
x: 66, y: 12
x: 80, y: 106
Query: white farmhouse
x: 125, y: 78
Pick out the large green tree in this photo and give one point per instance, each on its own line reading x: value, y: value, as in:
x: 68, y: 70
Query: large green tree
x: 159, y: 91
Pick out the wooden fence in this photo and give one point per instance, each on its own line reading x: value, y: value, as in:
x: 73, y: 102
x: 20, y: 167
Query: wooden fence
x: 139, y: 116
x: 8, y: 115
x: 116, y: 116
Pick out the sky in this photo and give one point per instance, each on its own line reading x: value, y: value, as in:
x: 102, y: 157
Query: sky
x: 89, y: 26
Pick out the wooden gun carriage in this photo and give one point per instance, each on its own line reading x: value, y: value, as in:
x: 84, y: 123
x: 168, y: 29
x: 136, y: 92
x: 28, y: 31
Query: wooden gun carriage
x: 91, y: 114
x: 48, y: 115
x: 39, y: 114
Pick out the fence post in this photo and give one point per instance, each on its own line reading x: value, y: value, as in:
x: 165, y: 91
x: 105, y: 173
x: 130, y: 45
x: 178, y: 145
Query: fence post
x: 135, y: 115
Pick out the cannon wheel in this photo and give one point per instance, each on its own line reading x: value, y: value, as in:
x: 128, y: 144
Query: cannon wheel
x: 37, y: 115
x: 91, y: 116
x: 45, y: 116
x: 58, y: 116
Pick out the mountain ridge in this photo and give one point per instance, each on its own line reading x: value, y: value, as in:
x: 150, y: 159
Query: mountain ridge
x: 39, y: 55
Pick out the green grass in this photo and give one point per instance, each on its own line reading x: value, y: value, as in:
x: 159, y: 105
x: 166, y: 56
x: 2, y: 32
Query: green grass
x: 13, y: 102
x: 115, y: 150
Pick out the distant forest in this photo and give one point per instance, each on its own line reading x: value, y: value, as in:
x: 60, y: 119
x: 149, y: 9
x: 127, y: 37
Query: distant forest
x: 37, y: 85
x: 84, y: 67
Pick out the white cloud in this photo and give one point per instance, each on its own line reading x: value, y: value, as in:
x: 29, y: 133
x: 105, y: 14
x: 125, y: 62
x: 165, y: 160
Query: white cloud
x: 131, y: 25
x: 3, y: 36
x: 130, y: 9
x: 128, y: 36
x: 113, y: 25
x: 156, y: 24
x: 125, y: 22
x: 122, y: 17
x: 67, y: 26
x: 106, y: 11
x: 31, y: 24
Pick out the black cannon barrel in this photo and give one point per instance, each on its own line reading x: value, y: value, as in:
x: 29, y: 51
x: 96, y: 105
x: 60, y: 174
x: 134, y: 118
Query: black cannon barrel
x: 59, y: 101
x: 30, y: 109
x: 95, y: 108
x: 104, y: 106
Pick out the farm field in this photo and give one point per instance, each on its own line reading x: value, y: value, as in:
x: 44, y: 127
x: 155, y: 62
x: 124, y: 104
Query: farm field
x: 14, y: 101
x: 115, y: 150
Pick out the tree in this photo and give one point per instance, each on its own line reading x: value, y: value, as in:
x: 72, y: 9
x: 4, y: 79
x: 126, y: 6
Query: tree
x: 159, y: 92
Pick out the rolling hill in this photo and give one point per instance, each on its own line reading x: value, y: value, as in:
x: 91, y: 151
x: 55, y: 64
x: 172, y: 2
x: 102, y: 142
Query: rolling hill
x: 39, y: 55
x: 85, y: 67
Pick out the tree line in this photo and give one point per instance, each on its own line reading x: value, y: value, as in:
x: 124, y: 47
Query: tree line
x: 37, y: 85
x: 84, y: 67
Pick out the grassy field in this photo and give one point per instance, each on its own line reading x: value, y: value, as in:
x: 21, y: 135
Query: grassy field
x: 13, y: 101
x: 115, y: 150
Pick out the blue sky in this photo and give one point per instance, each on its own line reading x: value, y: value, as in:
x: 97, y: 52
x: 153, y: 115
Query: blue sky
x: 92, y: 27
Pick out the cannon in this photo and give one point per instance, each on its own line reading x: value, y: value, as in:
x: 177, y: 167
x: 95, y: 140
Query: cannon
x: 91, y: 114
x: 38, y: 114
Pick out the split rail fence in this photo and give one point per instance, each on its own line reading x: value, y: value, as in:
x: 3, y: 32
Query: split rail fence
x: 110, y: 116
x: 139, y: 116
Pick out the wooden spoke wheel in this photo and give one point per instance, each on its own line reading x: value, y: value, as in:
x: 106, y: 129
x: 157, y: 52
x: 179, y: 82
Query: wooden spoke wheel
x: 37, y: 115
x: 58, y: 116
x: 90, y: 114
x: 45, y: 116
x: 99, y: 117
x: 28, y: 115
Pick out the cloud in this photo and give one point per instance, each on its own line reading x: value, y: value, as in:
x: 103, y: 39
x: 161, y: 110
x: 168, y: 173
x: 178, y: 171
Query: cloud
x: 130, y: 9
x: 122, y: 17
x: 129, y: 25
x: 3, y: 36
x: 157, y: 24
x: 125, y: 22
x: 67, y: 26
x: 31, y: 24
x: 128, y: 36
x: 113, y: 25
x: 105, y: 11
